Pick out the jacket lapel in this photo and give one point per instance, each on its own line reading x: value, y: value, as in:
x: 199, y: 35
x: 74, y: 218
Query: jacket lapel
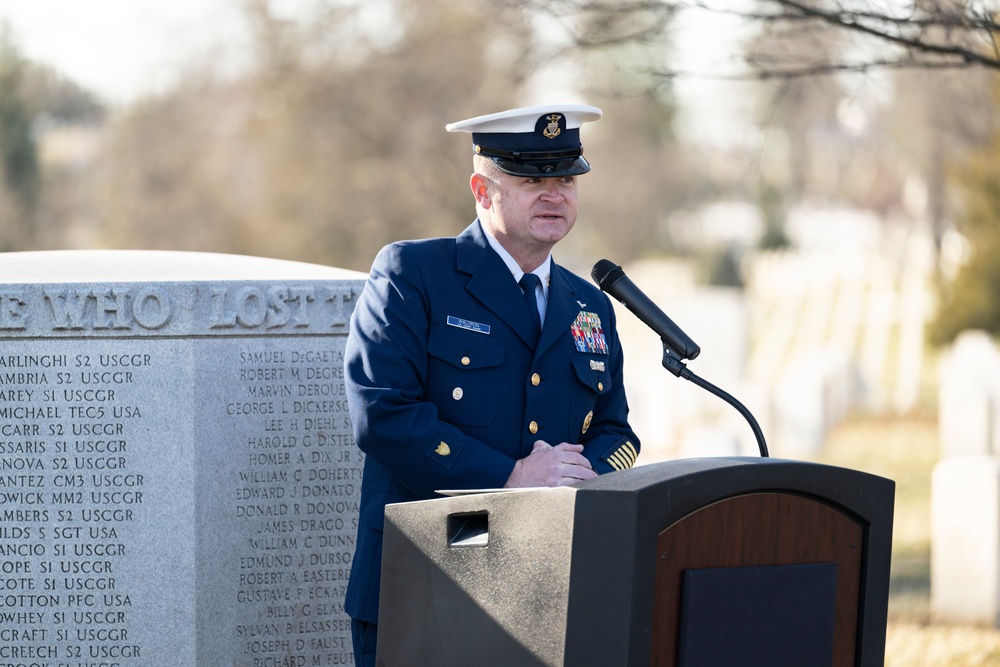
x: 561, y: 311
x: 491, y: 283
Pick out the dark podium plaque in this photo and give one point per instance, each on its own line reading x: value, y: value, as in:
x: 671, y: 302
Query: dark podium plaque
x: 777, y: 615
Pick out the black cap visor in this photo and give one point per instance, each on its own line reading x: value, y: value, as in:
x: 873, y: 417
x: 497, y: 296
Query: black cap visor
x: 543, y: 169
x: 537, y: 164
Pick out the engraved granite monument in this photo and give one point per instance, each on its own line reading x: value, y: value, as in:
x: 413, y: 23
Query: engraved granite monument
x: 178, y: 479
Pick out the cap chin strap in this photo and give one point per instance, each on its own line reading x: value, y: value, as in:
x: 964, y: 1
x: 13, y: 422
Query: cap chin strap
x: 520, y: 156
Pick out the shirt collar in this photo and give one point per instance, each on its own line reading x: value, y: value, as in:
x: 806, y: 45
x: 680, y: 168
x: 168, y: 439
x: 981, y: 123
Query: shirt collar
x: 541, y: 271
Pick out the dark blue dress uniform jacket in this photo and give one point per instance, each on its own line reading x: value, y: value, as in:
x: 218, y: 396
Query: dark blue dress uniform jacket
x: 447, y: 390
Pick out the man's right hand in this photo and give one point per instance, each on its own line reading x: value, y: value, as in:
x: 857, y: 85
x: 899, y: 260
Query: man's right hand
x: 561, y: 465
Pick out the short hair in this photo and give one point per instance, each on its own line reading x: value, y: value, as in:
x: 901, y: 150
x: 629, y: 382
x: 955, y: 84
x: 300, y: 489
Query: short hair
x: 485, y: 166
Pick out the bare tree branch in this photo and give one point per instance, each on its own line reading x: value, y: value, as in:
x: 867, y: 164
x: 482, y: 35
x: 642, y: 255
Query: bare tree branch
x: 927, y: 34
x: 868, y: 24
x: 972, y: 22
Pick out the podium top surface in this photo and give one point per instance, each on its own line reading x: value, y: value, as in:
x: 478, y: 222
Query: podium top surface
x: 98, y: 266
x: 682, y: 484
x: 736, y: 468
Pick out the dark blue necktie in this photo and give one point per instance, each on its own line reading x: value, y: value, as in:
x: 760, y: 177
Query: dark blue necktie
x: 529, y: 282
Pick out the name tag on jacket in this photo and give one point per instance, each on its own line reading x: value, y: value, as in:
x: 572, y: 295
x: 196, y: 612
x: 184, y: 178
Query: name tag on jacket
x: 468, y: 325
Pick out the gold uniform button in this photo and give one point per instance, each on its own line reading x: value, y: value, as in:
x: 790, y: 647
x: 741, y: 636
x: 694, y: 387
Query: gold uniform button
x: 586, y: 421
x: 600, y: 386
x: 466, y: 361
x: 536, y: 379
x: 533, y: 427
x: 457, y: 393
x: 443, y: 449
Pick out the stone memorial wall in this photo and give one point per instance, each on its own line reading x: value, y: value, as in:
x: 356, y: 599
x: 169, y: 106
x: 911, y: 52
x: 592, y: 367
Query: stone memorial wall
x: 178, y: 479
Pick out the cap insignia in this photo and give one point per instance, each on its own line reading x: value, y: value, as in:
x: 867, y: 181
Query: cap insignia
x: 552, y: 130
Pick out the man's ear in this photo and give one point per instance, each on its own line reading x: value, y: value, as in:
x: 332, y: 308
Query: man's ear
x: 481, y: 190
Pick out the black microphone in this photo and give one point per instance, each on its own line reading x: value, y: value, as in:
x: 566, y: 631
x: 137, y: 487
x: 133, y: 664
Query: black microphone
x: 611, y: 279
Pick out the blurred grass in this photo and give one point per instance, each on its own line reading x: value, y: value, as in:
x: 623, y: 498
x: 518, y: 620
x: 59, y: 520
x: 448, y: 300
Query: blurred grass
x: 905, y: 450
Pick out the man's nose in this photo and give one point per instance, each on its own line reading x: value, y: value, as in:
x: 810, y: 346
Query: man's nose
x: 551, y: 189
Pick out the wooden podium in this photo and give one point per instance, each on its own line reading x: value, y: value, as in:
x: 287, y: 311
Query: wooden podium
x: 691, y: 563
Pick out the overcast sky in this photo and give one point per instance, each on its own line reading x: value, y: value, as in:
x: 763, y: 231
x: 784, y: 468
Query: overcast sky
x: 118, y: 48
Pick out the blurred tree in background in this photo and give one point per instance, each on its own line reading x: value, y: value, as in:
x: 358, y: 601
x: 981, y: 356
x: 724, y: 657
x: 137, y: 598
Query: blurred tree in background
x: 333, y: 146
x: 641, y: 172
x: 799, y: 114
x: 332, y: 143
x: 72, y: 122
x: 19, y: 185
x: 970, y: 300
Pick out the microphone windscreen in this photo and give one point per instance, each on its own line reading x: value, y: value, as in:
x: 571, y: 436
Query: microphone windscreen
x: 602, y: 271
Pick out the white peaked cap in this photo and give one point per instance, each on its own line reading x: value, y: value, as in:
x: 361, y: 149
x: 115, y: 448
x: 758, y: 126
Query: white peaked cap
x: 524, y: 119
x: 537, y: 142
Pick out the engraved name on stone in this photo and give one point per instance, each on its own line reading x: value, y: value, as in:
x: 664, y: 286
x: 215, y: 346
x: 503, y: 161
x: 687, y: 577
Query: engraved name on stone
x: 70, y: 490
x: 298, y: 499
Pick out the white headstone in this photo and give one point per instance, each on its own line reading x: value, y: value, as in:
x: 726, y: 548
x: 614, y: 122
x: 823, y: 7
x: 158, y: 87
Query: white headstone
x: 965, y: 540
x: 811, y: 396
x: 969, y: 397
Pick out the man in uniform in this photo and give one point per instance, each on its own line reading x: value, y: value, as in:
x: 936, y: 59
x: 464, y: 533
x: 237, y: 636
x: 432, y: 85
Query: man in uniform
x: 476, y: 361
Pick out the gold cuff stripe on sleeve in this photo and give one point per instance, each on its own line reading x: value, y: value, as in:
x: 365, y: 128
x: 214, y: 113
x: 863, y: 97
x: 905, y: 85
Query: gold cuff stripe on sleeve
x: 624, y: 457
x: 632, y: 454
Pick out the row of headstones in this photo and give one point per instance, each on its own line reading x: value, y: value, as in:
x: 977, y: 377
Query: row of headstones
x: 965, y: 486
